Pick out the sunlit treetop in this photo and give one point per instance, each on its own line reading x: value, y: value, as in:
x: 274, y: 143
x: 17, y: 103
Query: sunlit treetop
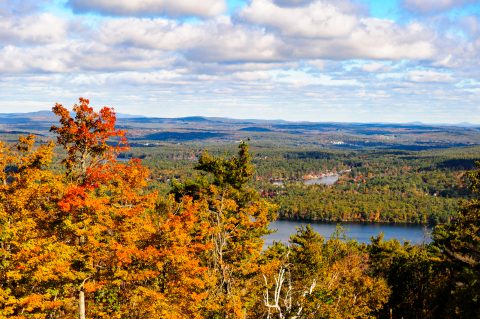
x: 89, y: 138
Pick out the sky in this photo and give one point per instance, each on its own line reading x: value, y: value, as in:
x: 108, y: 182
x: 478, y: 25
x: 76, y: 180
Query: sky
x: 298, y: 60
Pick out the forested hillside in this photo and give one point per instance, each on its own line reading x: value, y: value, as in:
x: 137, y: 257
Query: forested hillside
x: 84, y: 234
x: 422, y: 187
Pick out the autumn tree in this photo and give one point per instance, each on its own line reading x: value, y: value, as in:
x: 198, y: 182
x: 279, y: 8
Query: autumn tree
x: 314, y: 278
x: 94, y: 242
x: 184, y: 281
x: 237, y: 220
x: 86, y: 232
x: 104, y: 211
x: 138, y: 255
x: 86, y: 136
x: 35, y: 273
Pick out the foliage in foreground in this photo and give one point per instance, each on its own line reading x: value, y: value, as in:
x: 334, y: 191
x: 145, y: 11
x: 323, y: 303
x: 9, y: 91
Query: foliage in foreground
x: 96, y: 242
x: 439, y: 280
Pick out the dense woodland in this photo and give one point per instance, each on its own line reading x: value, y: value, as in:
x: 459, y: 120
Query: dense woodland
x: 392, y: 186
x: 97, y: 237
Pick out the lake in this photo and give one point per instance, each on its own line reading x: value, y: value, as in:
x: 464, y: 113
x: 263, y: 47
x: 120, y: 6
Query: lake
x: 324, y: 180
x: 361, y: 232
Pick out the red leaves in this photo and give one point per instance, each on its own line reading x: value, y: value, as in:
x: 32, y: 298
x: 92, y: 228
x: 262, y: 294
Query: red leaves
x: 74, y: 198
x: 90, y: 229
x: 98, y: 229
x: 86, y: 136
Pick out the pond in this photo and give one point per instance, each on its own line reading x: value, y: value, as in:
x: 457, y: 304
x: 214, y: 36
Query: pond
x: 324, y: 180
x: 361, y: 232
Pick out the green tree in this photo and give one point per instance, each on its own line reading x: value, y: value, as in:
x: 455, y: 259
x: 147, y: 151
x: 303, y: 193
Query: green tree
x: 459, y: 242
x: 416, y: 276
x: 237, y: 219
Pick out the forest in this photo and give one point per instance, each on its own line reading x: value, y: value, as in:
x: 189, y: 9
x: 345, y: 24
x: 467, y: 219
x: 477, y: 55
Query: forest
x: 90, y: 228
x: 388, y: 186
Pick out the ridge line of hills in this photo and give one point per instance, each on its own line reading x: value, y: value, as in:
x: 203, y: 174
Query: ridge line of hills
x: 45, y: 115
x: 149, y: 131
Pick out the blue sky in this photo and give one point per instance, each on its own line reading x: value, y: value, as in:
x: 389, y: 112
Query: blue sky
x: 315, y: 60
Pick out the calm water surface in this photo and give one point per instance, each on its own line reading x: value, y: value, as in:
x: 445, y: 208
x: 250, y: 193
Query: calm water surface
x: 325, y: 180
x: 361, y: 232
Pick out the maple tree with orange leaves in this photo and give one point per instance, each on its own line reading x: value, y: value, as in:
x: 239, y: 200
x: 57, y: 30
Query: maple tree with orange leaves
x: 90, y: 242
x: 85, y: 137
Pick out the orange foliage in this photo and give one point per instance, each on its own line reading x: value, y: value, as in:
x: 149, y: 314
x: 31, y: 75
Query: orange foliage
x: 94, y: 229
x: 85, y: 137
x: 97, y: 231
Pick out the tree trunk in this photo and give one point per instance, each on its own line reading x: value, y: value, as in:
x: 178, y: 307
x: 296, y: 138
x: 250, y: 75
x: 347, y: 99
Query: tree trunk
x: 81, y: 304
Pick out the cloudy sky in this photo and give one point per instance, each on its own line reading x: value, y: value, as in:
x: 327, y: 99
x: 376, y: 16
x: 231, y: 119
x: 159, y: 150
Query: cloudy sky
x: 315, y: 60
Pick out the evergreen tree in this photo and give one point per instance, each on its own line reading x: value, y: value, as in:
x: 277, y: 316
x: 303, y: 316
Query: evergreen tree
x: 459, y: 242
x: 237, y: 219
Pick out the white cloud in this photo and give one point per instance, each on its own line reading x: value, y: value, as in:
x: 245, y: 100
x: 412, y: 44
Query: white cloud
x: 216, y: 40
x: 80, y: 56
x: 383, y: 39
x: 203, y: 8
x: 319, y: 19
x: 39, y: 59
x: 35, y: 28
x: 323, y: 29
x: 310, y: 54
x: 252, y: 75
x: 317, y: 64
x: 299, y: 78
x: 223, y: 41
x: 147, y: 78
x: 372, y: 39
x: 471, y: 25
x: 101, y: 57
x: 433, y: 6
x: 374, y: 67
x: 429, y: 76
x: 292, y: 3
x: 121, y: 44
x: 460, y: 54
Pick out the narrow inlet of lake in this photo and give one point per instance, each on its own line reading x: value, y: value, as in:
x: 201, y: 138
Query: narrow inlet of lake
x: 361, y: 232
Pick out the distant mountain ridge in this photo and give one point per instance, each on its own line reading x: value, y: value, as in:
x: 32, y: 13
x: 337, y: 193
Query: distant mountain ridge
x: 46, y: 115
x: 49, y: 115
x: 151, y: 131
